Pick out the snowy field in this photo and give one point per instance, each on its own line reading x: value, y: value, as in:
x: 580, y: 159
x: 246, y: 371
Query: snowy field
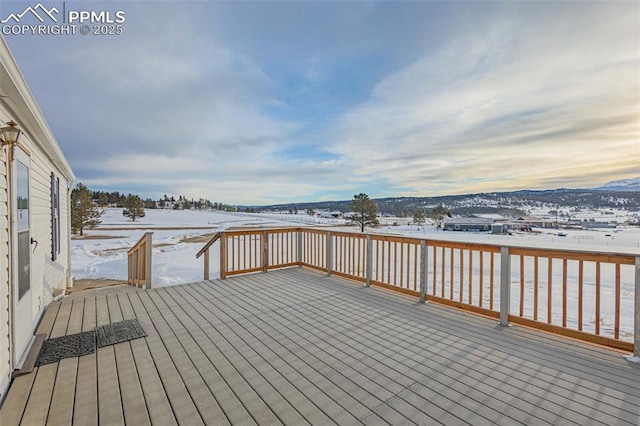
x: 102, y: 252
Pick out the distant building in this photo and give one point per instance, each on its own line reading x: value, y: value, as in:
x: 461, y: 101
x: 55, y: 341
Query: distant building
x: 468, y: 224
x: 601, y: 225
x: 500, y: 228
x: 528, y: 222
x: 330, y: 215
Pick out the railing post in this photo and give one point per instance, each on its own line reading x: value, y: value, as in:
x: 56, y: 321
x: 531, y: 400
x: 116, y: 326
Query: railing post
x: 329, y: 253
x: 129, y: 272
x: 206, y: 265
x: 265, y: 251
x: 134, y: 268
x: 369, y: 254
x: 148, y: 256
x: 505, y: 285
x: 139, y: 267
x: 636, y: 327
x: 300, y: 247
x: 223, y: 256
x: 423, y: 271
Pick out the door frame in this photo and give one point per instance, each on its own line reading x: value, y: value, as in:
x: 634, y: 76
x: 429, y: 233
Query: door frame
x: 22, y: 323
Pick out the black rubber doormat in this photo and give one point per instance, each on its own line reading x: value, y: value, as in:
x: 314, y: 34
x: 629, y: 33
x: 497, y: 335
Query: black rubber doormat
x: 74, y: 345
x: 119, y: 332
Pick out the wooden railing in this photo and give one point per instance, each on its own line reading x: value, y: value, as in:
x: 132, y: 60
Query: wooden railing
x: 205, y: 250
x: 139, y: 262
x: 592, y: 296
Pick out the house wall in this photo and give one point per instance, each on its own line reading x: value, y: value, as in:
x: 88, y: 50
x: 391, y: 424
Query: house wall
x: 5, y: 353
x: 47, y: 276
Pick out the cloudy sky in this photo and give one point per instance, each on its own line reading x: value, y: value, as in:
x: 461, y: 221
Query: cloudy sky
x: 268, y: 102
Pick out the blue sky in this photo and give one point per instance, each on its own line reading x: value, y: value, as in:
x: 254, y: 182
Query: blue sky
x: 270, y: 102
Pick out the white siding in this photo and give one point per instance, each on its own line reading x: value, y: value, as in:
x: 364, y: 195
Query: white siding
x: 46, y: 275
x: 5, y: 352
x: 40, y: 231
x: 17, y: 104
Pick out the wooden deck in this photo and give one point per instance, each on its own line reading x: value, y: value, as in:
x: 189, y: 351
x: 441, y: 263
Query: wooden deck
x: 295, y: 347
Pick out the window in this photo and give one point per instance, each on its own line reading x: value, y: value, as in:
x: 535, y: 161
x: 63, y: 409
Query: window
x: 55, y: 217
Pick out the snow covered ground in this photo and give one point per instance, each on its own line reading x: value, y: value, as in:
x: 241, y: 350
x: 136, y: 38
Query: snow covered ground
x: 102, y: 252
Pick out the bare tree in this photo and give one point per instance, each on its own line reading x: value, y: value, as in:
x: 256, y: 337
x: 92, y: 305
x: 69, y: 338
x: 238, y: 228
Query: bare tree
x: 438, y: 214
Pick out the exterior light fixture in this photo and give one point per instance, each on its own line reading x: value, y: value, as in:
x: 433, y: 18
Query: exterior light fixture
x: 10, y: 134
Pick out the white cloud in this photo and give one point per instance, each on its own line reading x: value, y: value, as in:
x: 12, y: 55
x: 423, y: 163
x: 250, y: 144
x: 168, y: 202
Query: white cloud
x: 236, y: 101
x: 529, y: 99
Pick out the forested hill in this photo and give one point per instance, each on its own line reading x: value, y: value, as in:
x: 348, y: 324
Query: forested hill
x: 506, y: 203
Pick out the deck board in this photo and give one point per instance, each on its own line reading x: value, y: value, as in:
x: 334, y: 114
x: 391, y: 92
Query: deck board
x: 186, y: 358
x: 85, y: 410
x: 183, y: 406
x: 49, y: 318
x: 223, y: 374
x: 13, y: 406
x: 407, y: 380
x: 318, y: 371
x: 157, y: 404
x: 62, y: 400
x: 37, y: 408
x: 295, y: 347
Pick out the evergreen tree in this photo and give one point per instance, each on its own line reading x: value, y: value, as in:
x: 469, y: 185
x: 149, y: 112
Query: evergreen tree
x: 150, y: 204
x: 133, y: 207
x: 103, y: 200
x: 114, y: 198
x: 84, y: 213
x: 365, y: 211
x: 418, y: 217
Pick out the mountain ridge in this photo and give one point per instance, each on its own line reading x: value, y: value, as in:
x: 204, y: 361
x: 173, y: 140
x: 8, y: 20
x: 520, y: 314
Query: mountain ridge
x: 511, y: 203
x: 632, y: 184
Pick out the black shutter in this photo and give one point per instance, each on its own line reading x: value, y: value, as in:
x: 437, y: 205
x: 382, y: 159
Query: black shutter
x: 54, y: 221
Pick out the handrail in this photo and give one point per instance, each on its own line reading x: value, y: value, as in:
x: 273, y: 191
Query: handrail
x: 213, y: 239
x: 205, y: 250
x: 139, y: 262
x: 584, y: 294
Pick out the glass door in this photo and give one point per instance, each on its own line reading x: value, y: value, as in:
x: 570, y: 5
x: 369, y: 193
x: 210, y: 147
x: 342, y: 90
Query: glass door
x: 22, y: 299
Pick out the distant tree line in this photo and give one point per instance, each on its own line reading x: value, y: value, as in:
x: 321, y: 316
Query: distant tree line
x: 87, y: 206
x: 104, y: 199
